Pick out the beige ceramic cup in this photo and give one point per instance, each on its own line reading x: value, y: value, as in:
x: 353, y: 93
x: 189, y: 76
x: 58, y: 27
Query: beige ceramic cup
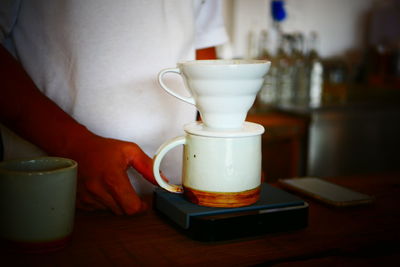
x: 220, y: 168
x: 37, y: 203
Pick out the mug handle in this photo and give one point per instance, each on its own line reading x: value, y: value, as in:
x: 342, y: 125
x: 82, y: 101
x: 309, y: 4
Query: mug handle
x: 167, y: 146
x: 189, y: 100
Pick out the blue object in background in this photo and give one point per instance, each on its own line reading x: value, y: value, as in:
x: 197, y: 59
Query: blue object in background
x: 278, y: 10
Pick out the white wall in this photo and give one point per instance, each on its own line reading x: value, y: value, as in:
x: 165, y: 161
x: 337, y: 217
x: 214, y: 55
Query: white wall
x: 339, y: 23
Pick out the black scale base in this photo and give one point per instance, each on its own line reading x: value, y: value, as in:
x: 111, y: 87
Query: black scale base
x: 276, y: 211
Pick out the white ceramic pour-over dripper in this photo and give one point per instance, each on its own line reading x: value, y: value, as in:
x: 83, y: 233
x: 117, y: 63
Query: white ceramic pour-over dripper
x: 222, y: 90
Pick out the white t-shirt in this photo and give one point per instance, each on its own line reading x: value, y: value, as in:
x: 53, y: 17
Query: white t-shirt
x: 99, y: 60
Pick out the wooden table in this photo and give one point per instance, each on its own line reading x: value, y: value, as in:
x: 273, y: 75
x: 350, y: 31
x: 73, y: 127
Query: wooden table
x: 365, y: 235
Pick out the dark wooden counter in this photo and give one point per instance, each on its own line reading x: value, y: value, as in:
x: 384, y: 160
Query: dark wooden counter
x: 365, y: 235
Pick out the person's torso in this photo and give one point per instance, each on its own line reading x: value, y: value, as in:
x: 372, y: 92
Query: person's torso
x: 98, y: 60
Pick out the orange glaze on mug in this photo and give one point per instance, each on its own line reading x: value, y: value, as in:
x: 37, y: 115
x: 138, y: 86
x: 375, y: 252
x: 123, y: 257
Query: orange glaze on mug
x: 222, y: 199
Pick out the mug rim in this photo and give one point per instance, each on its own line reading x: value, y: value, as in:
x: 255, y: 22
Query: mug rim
x: 3, y: 170
x: 248, y: 129
x: 224, y: 62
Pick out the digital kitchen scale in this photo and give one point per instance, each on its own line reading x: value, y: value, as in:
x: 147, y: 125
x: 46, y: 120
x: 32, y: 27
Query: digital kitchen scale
x: 276, y: 211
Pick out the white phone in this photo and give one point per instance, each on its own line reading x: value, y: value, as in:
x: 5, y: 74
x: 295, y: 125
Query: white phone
x: 326, y: 192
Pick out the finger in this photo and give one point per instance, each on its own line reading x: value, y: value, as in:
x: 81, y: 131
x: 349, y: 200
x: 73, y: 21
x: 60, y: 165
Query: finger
x: 84, y: 201
x: 120, y: 188
x: 89, y: 207
x: 93, y: 196
x: 99, y: 191
x: 104, y: 197
x: 142, y: 163
x: 164, y: 177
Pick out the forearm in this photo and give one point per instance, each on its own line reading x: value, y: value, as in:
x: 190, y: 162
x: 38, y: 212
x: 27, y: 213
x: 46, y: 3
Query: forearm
x: 206, y: 53
x: 102, y: 179
x: 25, y: 110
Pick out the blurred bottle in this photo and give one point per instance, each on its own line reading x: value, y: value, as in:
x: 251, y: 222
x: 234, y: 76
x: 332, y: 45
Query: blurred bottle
x: 383, y: 56
x: 278, y: 16
x: 316, y: 71
x: 336, y: 81
x: 278, y: 13
x: 283, y: 59
x: 268, y: 93
x: 252, y: 49
x: 284, y: 62
x: 300, y: 70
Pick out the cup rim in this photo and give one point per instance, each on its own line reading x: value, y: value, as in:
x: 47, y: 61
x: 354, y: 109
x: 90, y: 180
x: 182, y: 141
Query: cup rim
x: 72, y: 164
x: 224, y: 62
x: 248, y: 129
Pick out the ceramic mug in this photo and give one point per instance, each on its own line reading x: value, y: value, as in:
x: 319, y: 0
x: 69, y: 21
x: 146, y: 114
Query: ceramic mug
x: 222, y: 90
x: 220, y: 168
x: 37, y: 203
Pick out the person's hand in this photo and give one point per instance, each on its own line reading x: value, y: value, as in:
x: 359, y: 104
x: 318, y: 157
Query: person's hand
x: 102, y: 179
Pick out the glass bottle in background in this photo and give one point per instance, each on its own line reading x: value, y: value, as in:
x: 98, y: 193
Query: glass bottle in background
x: 300, y: 70
x: 316, y: 71
x: 268, y: 93
x: 336, y: 78
x: 284, y: 64
x: 278, y: 14
x: 252, y: 49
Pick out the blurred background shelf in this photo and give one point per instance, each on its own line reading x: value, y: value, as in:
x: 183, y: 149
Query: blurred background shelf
x: 332, y: 140
x: 284, y: 144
